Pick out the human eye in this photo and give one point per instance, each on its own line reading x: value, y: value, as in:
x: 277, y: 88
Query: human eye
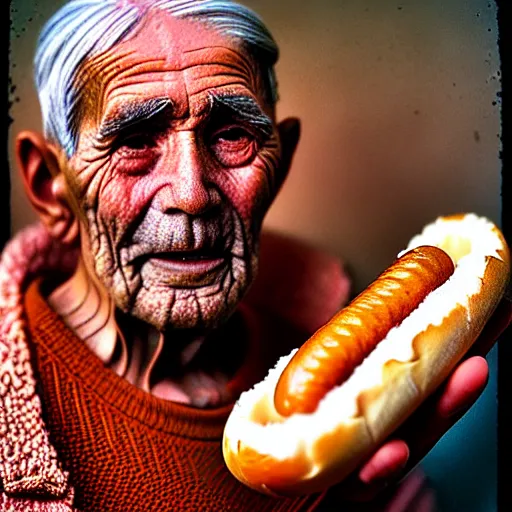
x: 234, y: 145
x: 136, y: 144
x: 136, y: 152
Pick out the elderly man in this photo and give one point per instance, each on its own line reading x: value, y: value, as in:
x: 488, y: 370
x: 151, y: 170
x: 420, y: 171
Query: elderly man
x: 124, y: 339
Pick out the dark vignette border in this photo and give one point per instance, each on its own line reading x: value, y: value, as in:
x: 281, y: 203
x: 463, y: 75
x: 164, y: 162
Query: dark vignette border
x: 504, y: 346
x: 5, y: 182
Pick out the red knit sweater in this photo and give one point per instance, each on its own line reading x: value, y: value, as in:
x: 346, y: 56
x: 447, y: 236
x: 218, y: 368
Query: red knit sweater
x: 125, y: 449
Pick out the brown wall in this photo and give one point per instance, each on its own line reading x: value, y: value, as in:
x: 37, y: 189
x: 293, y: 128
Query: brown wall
x: 396, y: 106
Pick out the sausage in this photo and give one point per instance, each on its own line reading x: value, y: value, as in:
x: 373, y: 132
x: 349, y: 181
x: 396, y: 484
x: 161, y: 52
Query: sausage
x: 329, y: 357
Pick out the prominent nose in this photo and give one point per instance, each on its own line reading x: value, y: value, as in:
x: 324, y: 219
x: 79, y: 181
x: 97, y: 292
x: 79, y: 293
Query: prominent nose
x: 186, y: 172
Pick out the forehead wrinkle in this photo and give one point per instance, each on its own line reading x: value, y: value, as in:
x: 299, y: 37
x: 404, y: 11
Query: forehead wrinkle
x: 90, y: 70
x: 146, y: 65
x: 91, y: 81
x: 247, y: 64
x: 200, y: 105
x: 199, y: 85
x: 107, y: 69
x: 183, y: 39
x: 119, y: 76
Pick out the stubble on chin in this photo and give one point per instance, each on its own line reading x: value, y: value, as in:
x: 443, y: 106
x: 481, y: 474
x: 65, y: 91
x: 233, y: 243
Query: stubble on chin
x: 140, y: 292
x: 193, y: 308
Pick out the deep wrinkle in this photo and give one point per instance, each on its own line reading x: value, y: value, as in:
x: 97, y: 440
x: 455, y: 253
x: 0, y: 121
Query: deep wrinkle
x: 130, y: 114
x: 172, y: 177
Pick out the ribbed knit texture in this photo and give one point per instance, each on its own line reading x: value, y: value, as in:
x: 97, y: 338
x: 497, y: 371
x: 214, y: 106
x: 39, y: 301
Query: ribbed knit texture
x: 125, y: 449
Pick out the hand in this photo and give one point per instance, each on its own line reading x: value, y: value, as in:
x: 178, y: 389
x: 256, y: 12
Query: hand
x: 306, y: 287
x: 420, y: 433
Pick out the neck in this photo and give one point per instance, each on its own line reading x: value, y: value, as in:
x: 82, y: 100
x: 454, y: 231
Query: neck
x: 172, y: 369
x: 89, y: 312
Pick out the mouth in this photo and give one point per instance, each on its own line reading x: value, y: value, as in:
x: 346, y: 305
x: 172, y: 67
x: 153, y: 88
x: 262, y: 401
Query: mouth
x: 187, y: 267
x: 188, y: 259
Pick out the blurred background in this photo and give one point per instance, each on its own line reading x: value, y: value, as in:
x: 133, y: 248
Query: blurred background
x: 400, y: 110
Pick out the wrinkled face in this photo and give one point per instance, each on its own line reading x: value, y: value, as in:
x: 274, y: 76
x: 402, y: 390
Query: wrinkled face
x: 174, y: 170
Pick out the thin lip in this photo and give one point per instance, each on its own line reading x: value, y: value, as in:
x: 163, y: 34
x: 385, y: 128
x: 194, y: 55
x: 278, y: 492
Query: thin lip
x: 204, y: 254
x: 196, y: 266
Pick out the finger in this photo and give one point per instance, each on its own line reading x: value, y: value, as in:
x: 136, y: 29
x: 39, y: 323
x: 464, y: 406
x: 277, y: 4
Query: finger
x: 407, y: 490
x: 463, y: 387
x: 425, y: 502
x: 441, y: 411
x: 387, y: 462
x: 412, y: 495
x: 431, y: 421
x: 446, y: 406
x: 420, y: 433
x: 384, y: 467
x: 428, y: 424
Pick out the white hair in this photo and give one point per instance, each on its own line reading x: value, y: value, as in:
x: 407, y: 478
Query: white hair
x: 83, y: 28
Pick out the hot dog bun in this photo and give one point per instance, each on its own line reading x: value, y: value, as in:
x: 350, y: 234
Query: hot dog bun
x: 309, y: 452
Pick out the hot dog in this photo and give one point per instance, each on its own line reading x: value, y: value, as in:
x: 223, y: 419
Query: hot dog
x: 333, y: 352
x: 308, y: 452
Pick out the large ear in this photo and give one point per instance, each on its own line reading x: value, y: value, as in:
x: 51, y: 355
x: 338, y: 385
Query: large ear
x: 45, y: 185
x: 289, y: 134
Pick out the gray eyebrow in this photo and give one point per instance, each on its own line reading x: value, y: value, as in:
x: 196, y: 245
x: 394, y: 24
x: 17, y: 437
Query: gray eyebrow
x: 243, y: 108
x: 131, y: 113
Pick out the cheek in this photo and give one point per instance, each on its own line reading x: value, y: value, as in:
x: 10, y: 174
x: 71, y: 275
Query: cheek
x: 248, y: 189
x: 117, y: 197
x: 114, y: 199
